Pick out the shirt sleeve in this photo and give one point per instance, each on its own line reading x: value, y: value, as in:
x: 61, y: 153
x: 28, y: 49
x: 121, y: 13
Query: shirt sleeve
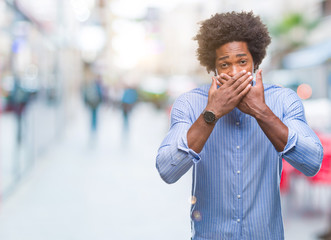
x: 303, y: 150
x: 174, y: 157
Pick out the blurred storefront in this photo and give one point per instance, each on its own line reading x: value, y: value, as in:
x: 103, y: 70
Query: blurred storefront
x: 39, y: 70
x: 307, y: 70
x: 305, y: 65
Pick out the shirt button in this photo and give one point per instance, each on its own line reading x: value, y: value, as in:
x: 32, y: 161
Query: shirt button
x: 238, y: 220
x: 238, y: 196
x: 237, y: 123
x: 238, y: 172
x: 238, y: 147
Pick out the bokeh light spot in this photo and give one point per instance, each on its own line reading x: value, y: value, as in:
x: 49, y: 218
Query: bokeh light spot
x: 193, y: 200
x: 197, y: 216
x: 304, y: 91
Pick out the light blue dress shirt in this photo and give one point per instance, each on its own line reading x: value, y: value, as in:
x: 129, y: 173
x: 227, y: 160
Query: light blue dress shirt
x: 236, y: 176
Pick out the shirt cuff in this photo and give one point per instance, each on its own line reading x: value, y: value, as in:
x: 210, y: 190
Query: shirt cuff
x: 183, y: 146
x: 291, y: 142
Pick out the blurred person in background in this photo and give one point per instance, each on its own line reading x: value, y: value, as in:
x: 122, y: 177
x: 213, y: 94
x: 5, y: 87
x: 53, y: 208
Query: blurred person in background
x: 235, y: 132
x: 93, y: 97
x: 18, y: 99
x: 129, y: 99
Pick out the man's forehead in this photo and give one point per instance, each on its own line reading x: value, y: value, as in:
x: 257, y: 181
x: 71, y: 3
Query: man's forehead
x: 237, y: 49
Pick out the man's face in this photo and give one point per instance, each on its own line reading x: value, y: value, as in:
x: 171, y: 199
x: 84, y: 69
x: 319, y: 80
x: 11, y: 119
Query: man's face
x: 233, y: 57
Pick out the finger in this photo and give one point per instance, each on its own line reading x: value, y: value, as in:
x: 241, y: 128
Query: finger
x: 245, y: 91
x: 259, y: 78
x: 222, y: 81
x: 243, y: 85
x: 239, y: 75
x: 236, y: 80
x: 231, y: 80
x: 223, y: 78
x: 239, y: 78
x: 218, y: 82
x: 213, y: 85
x: 242, y: 79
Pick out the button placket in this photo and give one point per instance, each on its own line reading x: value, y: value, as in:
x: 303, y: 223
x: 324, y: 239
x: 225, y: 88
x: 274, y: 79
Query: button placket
x: 237, y: 172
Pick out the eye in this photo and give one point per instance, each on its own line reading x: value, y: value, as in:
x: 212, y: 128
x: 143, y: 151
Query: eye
x: 243, y: 62
x: 224, y: 65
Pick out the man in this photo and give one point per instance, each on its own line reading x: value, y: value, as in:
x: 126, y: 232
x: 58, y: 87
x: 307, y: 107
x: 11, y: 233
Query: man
x: 235, y: 133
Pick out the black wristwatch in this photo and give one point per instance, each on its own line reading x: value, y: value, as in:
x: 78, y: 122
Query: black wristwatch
x: 209, y: 116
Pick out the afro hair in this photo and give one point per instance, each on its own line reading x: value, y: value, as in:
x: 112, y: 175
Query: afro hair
x: 228, y: 27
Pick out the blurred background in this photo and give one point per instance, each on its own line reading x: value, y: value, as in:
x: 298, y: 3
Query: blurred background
x: 86, y: 91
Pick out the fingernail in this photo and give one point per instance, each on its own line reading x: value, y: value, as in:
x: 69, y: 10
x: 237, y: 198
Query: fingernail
x: 244, y: 71
x: 249, y: 73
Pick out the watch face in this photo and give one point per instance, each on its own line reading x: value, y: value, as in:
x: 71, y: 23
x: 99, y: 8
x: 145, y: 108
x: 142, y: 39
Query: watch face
x: 209, y: 117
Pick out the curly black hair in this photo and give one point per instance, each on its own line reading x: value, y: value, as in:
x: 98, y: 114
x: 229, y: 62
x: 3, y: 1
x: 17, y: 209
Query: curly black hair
x: 228, y: 27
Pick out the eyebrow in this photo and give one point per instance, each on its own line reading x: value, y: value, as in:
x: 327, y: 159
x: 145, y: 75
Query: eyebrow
x: 241, y: 55
x: 238, y: 55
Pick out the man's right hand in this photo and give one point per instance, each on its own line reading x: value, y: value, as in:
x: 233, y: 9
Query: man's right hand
x: 223, y: 99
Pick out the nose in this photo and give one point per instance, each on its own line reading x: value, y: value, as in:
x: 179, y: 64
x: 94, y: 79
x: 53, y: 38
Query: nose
x: 233, y: 70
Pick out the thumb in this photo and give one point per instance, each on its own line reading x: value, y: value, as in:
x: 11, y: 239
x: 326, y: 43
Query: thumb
x: 259, y: 78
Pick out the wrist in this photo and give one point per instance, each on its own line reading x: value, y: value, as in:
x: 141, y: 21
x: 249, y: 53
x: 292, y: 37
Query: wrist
x: 262, y: 113
x: 218, y: 113
x: 209, y: 116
